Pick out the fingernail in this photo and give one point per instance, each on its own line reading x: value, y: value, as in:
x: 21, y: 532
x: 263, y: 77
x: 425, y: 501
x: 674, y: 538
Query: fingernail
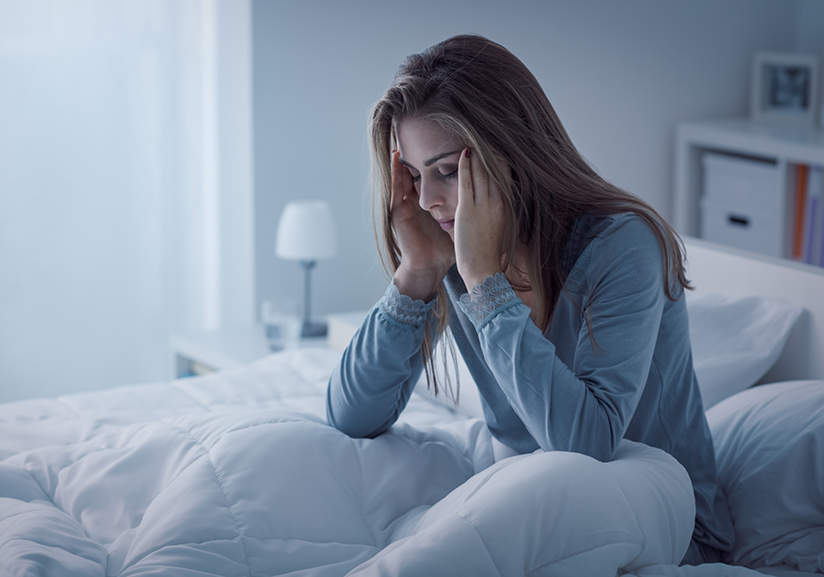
x: 468, y: 152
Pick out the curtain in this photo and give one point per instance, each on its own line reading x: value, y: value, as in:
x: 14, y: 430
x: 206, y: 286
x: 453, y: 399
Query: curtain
x: 125, y: 186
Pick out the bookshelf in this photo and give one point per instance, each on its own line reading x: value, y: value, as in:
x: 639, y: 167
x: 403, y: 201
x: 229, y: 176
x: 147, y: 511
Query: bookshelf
x: 786, y: 148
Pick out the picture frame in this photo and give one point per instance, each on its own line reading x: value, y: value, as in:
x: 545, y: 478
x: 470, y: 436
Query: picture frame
x: 784, y: 88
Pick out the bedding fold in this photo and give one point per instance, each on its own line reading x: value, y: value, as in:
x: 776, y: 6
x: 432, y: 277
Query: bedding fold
x: 239, y: 474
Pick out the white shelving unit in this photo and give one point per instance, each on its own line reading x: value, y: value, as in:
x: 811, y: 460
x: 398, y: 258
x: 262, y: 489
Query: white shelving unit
x: 783, y: 145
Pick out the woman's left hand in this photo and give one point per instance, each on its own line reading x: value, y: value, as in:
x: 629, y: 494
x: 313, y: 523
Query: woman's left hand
x: 479, y: 223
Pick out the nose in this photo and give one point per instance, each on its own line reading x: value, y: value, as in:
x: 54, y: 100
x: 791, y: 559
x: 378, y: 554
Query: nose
x: 429, y: 194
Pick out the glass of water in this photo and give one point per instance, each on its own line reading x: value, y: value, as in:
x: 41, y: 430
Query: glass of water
x: 282, y: 323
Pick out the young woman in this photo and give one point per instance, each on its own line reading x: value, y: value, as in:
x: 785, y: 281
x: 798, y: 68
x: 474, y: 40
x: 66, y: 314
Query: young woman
x: 563, y: 293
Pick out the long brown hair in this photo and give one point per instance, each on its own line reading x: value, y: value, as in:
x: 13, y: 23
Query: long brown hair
x: 487, y: 97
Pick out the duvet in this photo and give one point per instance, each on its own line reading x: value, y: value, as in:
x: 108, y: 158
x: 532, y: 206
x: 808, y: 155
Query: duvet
x: 237, y: 473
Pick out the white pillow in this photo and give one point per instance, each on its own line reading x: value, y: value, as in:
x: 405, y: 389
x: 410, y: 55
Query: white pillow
x: 769, y: 447
x: 735, y: 340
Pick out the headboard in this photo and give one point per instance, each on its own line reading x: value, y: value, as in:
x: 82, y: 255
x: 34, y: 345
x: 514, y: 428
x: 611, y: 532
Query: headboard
x: 716, y: 268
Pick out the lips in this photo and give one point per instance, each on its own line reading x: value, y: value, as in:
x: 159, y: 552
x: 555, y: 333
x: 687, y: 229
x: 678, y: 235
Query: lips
x: 447, y: 224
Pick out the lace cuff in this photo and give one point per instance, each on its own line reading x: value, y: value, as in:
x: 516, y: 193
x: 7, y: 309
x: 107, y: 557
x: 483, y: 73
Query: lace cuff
x: 492, y: 295
x: 402, y: 309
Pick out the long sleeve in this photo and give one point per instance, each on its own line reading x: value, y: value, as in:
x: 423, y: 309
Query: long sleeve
x: 587, y: 406
x: 379, y: 368
x: 558, y: 390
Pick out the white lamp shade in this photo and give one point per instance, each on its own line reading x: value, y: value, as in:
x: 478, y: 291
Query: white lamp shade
x: 306, y: 231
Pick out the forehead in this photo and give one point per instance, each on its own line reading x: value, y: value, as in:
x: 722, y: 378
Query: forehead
x: 420, y: 139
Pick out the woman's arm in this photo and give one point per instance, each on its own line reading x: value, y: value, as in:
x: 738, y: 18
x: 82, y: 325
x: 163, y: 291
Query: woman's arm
x: 588, y: 406
x: 382, y: 364
x: 380, y: 367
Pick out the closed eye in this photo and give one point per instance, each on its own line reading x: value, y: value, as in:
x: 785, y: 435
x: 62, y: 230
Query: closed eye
x: 450, y: 176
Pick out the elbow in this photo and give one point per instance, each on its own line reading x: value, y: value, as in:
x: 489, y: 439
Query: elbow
x: 341, y: 414
x: 605, y: 451
x: 601, y: 449
x: 352, y: 428
x: 609, y: 426
x: 350, y: 422
x: 340, y: 419
x: 598, y: 440
x: 605, y: 445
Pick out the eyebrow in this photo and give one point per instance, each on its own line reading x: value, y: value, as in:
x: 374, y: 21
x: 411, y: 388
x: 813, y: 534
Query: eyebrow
x: 431, y: 161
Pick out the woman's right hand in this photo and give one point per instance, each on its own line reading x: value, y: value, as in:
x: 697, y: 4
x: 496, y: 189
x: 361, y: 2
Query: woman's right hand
x: 427, y: 251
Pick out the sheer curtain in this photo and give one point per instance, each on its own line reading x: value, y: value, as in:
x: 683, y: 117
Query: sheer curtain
x: 125, y: 186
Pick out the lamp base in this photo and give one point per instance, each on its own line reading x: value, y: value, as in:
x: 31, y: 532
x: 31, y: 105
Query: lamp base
x: 313, y: 329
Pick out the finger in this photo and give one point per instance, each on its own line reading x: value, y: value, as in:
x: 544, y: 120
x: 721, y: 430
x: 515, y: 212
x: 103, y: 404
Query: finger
x: 466, y: 193
x: 397, y: 181
x: 401, y: 180
x: 480, y: 183
x: 408, y: 187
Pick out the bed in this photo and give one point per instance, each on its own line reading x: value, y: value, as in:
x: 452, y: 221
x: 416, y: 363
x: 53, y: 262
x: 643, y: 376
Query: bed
x: 237, y: 472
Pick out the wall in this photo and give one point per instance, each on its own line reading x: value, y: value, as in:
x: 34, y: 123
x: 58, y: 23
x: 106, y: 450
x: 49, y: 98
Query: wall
x: 621, y: 75
x: 809, y: 39
x: 126, y: 177
x: 809, y: 36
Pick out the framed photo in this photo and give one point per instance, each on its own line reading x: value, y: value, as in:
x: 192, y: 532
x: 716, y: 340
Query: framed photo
x: 784, y: 88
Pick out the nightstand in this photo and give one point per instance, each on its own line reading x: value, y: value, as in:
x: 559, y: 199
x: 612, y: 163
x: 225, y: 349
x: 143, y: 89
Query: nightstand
x: 343, y: 326
x: 200, y: 352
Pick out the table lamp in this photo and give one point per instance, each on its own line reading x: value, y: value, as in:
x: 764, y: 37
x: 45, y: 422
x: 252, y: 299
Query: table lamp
x: 306, y: 233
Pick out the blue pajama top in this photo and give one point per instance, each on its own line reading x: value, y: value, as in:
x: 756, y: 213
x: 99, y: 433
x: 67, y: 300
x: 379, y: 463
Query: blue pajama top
x: 558, y: 390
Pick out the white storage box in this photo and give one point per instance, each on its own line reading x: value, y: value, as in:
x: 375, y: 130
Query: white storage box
x: 753, y: 185
x: 738, y: 225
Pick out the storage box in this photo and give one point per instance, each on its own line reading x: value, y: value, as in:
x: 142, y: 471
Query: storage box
x: 734, y: 224
x: 742, y: 203
x: 752, y: 185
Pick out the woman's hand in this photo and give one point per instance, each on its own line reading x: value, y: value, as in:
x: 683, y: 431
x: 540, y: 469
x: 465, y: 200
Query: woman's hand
x: 427, y: 252
x: 479, y: 223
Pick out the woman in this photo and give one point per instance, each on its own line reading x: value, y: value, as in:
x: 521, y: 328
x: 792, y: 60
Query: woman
x: 563, y: 293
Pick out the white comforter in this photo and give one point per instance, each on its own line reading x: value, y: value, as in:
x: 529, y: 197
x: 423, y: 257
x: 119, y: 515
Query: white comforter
x: 238, y: 474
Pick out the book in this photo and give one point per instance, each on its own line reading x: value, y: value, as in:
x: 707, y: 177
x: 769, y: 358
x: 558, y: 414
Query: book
x: 821, y: 244
x: 812, y: 215
x: 800, y: 209
x: 817, y: 252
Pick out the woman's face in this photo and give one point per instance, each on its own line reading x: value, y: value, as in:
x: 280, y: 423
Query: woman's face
x: 431, y: 154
